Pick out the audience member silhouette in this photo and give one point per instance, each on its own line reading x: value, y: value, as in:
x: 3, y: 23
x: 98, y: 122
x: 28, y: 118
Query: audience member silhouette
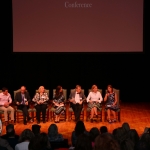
x: 24, y: 139
x: 83, y: 143
x: 94, y: 132
x: 53, y: 134
x: 79, y: 129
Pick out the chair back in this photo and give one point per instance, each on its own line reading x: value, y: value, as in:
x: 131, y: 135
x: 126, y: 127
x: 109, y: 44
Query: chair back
x: 100, y: 90
x: 64, y: 92
x: 117, y: 91
x: 72, y: 90
x: 15, y: 92
x: 46, y: 91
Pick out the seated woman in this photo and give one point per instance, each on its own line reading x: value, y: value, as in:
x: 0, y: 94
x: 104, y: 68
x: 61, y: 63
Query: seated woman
x: 40, y: 99
x: 94, y: 99
x: 58, y: 101
x: 53, y: 134
x: 111, y: 103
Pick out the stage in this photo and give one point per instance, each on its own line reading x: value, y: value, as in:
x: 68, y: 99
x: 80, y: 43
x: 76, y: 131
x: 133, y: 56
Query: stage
x: 136, y: 114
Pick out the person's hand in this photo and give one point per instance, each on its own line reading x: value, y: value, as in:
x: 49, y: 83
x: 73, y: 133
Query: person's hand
x: 108, y: 94
x: 113, y: 104
x: 17, y: 103
x: 38, y: 102
x: 6, y: 104
x: 80, y: 102
x: 26, y: 103
x: 72, y: 100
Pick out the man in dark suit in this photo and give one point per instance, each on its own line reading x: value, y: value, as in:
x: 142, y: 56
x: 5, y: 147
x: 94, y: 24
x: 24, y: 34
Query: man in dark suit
x: 22, y: 99
x: 76, y: 98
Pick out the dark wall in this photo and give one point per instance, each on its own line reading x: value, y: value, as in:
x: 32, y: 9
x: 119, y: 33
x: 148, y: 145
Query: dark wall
x: 125, y: 71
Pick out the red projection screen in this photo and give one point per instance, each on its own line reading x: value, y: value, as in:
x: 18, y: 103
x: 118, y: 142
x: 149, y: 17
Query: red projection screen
x: 77, y: 25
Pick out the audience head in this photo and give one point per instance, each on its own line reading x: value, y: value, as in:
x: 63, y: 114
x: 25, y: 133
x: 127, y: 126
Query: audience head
x: 40, y: 142
x: 94, y: 132
x: 23, y: 89
x: 5, y: 90
x: 94, y: 88
x: 106, y: 142
x: 126, y: 127
x: 79, y: 128
x: 78, y: 88
x: 133, y: 136
x: 52, y: 130
x: 127, y: 144
x: 83, y: 143
x: 110, y: 88
x: 36, y: 129
x: 119, y: 134
x: 10, y: 131
x: 145, y: 138
x: 103, y: 129
x: 59, y: 90
x: 41, y: 89
x: 26, y: 135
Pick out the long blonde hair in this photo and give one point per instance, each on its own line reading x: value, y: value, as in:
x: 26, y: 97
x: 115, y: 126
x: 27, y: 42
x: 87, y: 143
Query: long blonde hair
x: 41, y: 88
x: 93, y: 86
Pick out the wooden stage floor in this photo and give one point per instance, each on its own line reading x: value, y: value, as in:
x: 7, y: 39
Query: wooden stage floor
x: 136, y: 114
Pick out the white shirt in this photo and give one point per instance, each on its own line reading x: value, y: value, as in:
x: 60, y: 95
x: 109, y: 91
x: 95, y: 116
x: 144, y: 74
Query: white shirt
x: 95, y: 97
x: 5, y: 98
x: 77, y: 98
x: 22, y: 146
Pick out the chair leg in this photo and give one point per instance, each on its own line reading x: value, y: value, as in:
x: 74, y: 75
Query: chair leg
x: 53, y: 113
x: 101, y: 116
x: 32, y: 115
x: 119, y: 116
x: 105, y: 116
x: 17, y: 117
x: 87, y: 115
x: 47, y: 115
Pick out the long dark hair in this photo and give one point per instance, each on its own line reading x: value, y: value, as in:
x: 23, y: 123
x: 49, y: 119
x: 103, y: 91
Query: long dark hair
x: 58, y: 93
x: 79, y: 128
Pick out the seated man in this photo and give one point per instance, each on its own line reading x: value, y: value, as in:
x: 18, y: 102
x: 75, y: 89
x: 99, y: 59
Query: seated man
x: 22, y: 100
x: 76, y: 98
x: 5, y: 101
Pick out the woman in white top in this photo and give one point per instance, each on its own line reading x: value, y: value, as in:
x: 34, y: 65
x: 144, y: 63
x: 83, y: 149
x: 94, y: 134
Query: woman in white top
x: 94, y: 100
x: 24, y: 139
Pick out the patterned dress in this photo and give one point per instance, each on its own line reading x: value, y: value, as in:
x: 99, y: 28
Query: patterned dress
x: 110, y: 101
x: 59, y: 100
x: 44, y: 97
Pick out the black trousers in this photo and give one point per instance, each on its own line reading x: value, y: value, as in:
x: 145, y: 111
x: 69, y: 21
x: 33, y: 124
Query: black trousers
x: 24, y: 109
x: 77, y: 108
x: 40, y: 108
